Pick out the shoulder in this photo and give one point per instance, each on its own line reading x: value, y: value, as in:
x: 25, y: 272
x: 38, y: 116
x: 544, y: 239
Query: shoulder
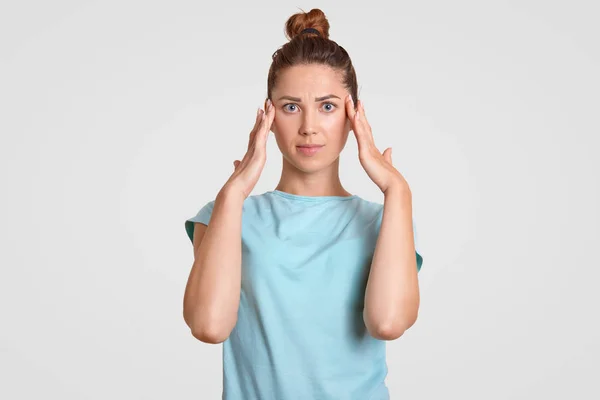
x: 251, y: 204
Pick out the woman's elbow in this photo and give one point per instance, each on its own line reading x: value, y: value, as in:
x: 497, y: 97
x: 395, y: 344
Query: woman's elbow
x: 387, y: 333
x: 208, y: 335
x: 210, y: 332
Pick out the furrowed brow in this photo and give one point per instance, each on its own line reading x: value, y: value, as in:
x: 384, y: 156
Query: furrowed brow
x: 298, y: 99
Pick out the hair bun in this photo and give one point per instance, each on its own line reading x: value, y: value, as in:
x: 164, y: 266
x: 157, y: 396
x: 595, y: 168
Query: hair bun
x: 315, y: 19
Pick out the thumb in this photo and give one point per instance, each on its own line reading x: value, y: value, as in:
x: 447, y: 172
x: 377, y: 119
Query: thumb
x: 387, y: 154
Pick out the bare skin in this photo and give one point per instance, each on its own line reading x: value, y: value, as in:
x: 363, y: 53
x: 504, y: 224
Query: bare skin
x: 212, y: 293
x: 392, y: 297
x: 308, y: 121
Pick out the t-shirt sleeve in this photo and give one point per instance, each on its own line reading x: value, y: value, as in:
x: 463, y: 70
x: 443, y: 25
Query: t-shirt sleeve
x: 418, y: 254
x: 203, y: 216
x: 417, y: 248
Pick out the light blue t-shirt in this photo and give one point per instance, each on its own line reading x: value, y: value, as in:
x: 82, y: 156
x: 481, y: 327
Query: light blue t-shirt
x: 300, y: 333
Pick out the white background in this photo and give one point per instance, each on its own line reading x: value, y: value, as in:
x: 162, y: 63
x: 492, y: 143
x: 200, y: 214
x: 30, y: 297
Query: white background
x: 120, y: 119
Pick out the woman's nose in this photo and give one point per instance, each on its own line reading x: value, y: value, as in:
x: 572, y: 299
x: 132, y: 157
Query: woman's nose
x: 309, y: 123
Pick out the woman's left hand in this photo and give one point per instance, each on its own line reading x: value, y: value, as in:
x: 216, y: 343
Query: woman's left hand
x: 378, y: 166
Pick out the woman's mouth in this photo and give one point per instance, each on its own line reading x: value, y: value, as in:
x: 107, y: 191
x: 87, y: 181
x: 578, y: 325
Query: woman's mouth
x: 309, y: 150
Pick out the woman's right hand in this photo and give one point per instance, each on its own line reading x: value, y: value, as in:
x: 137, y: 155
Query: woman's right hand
x: 248, y: 170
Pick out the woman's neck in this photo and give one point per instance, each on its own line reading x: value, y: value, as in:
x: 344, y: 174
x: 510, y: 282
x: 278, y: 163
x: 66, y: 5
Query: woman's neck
x: 325, y: 182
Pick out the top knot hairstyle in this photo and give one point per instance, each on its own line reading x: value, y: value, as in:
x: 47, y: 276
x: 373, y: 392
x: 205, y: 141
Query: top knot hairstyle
x: 310, y: 47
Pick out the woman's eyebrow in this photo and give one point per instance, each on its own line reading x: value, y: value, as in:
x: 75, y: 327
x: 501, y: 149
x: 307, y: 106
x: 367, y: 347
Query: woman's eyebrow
x: 298, y: 99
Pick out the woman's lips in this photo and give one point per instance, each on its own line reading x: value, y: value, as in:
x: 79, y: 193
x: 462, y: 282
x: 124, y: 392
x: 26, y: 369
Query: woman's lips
x: 309, y: 151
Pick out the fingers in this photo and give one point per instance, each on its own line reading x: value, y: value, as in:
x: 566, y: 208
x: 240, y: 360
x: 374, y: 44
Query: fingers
x: 257, y: 124
x: 350, y: 108
x: 362, y: 118
x: 260, y: 132
x: 387, y: 155
x: 265, y: 126
x: 360, y: 127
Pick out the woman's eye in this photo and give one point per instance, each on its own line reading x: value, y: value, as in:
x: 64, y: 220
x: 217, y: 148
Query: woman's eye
x: 331, y: 106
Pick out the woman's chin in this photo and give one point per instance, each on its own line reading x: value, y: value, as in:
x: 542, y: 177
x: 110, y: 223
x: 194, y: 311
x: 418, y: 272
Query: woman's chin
x: 309, y: 164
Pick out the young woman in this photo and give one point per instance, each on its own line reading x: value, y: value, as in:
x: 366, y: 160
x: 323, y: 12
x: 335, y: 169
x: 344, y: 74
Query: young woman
x: 305, y: 283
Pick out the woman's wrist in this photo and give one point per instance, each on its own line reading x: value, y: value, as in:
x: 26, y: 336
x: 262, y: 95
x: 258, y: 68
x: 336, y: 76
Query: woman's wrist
x: 230, y: 191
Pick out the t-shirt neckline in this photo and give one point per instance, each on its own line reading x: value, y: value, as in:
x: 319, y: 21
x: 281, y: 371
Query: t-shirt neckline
x: 311, y: 198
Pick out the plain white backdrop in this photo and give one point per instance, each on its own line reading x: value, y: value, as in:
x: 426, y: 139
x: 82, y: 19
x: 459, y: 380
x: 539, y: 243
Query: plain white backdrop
x: 120, y: 119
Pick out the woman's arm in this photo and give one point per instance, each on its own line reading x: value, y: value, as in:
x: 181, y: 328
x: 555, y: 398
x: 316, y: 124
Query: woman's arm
x: 392, y: 293
x: 212, y: 293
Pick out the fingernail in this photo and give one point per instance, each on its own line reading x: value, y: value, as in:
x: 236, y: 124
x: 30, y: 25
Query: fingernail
x: 257, y: 112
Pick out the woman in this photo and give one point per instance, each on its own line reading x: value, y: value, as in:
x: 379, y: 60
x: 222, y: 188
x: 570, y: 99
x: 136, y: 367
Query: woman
x: 303, y: 284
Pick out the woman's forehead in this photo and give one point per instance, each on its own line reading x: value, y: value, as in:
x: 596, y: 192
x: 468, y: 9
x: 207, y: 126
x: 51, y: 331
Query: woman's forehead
x: 313, y: 80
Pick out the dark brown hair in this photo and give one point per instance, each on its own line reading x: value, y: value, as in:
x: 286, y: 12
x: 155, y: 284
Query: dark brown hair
x: 312, y: 48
